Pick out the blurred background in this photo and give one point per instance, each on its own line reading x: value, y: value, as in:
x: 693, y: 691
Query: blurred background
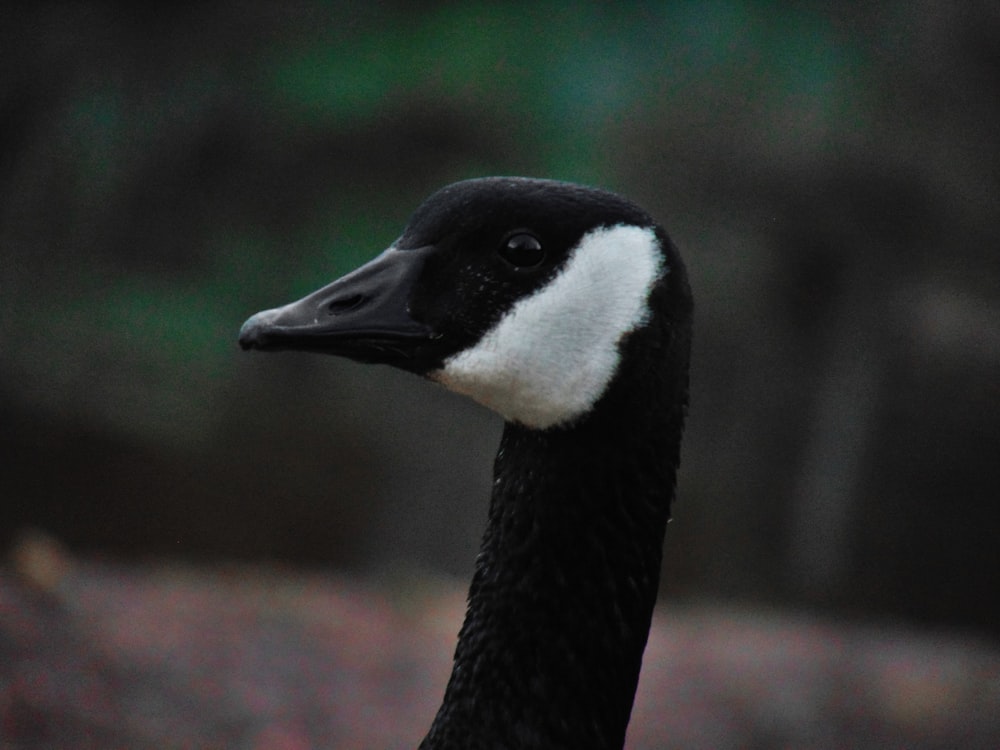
x: 830, y: 172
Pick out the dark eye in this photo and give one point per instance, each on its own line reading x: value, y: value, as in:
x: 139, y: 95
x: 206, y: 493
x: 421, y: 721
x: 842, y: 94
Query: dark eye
x: 522, y: 250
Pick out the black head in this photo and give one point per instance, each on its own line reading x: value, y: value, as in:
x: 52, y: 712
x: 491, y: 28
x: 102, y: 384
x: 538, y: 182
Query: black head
x: 510, y: 290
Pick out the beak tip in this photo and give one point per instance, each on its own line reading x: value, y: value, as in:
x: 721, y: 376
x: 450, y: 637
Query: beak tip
x: 253, y: 330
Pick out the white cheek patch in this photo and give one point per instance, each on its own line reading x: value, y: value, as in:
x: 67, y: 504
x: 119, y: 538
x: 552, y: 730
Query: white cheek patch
x: 553, y: 354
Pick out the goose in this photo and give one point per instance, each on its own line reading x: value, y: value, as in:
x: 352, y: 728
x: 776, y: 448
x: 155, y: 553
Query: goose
x: 565, y: 309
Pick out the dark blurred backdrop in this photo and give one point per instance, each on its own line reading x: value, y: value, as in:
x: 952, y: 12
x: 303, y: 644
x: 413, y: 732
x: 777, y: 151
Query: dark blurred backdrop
x: 831, y: 172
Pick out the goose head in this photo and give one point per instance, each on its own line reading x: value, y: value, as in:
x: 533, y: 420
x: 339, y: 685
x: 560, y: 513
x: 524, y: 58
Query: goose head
x: 519, y: 293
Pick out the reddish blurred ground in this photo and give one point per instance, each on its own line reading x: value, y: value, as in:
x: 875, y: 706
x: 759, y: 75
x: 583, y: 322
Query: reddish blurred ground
x: 110, y: 656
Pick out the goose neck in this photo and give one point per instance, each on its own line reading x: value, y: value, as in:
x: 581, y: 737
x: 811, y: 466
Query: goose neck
x: 563, y: 592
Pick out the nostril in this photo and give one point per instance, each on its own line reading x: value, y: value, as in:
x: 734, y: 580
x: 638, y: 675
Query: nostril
x: 346, y: 304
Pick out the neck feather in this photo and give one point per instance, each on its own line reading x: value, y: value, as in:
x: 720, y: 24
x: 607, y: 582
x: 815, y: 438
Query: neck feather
x: 565, y: 583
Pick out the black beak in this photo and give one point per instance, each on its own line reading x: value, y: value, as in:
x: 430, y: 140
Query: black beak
x: 364, y: 315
